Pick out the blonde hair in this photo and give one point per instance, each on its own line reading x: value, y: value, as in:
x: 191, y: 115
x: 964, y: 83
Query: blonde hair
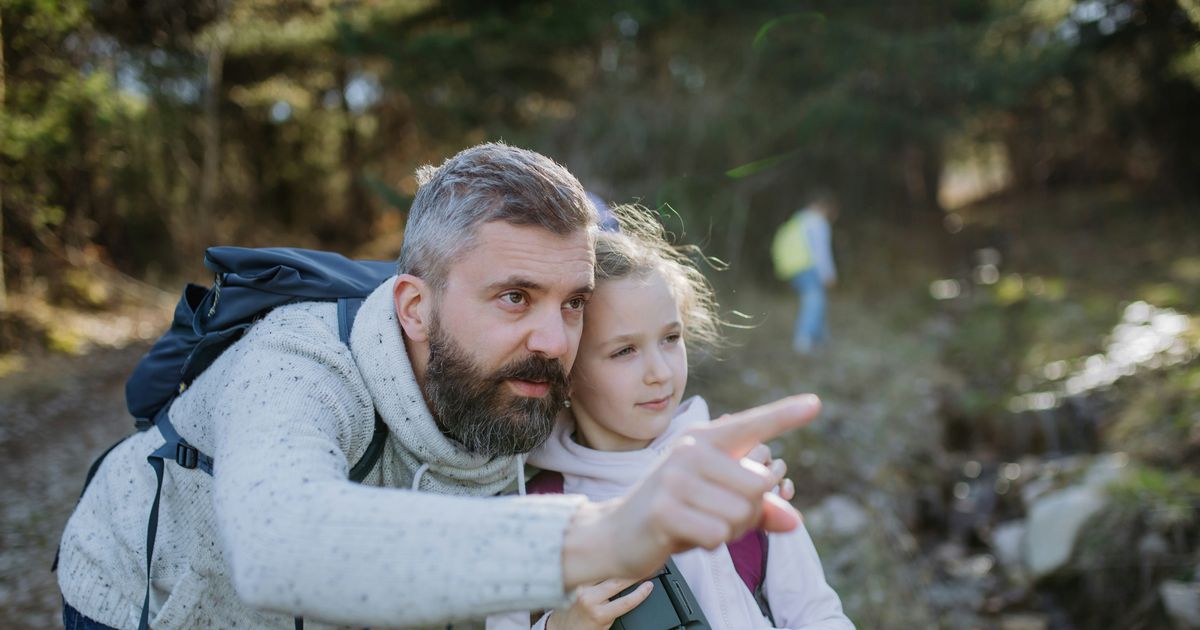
x: 642, y: 248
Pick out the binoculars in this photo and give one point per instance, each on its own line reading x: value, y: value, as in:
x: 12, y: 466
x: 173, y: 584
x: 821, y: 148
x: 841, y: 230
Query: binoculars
x: 670, y: 605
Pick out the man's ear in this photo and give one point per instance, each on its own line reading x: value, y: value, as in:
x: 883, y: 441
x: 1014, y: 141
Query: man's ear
x: 413, y: 301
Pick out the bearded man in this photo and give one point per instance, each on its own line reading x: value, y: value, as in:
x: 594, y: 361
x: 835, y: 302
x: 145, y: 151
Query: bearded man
x: 464, y: 355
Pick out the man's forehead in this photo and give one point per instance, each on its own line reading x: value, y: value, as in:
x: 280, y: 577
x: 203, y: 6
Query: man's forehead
x: 528, y: 255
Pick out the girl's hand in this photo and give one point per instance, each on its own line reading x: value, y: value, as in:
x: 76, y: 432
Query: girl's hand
x: 593, y: 611
x: 762, y: 454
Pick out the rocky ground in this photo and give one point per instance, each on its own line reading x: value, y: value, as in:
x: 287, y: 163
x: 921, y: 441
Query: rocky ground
x: 58, y: 414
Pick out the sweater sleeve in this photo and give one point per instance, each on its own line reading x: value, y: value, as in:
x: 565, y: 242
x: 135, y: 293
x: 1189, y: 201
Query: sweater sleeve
x: 509, y: 621
x: 302, y: 540
x: 795, y: 587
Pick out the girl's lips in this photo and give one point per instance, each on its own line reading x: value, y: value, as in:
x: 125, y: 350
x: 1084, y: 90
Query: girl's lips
x: 656, y: 405
x: 528, y: 389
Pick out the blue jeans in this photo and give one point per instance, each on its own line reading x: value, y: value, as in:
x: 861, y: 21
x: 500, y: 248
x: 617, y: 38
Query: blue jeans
x: 74, y: 620
x: 810, y: 321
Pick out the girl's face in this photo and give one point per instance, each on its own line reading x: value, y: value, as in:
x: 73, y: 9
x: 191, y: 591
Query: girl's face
x: 631, y: 368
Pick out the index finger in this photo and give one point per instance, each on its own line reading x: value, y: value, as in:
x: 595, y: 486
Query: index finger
x: 739, y: 433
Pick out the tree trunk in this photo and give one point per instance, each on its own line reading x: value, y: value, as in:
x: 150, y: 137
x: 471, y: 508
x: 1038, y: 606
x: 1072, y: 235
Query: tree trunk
x: 358, y: 211
x: 210, y: 177
x: 3, y: 287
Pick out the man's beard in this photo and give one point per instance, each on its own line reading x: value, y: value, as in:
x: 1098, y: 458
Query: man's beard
x: 479, y: 410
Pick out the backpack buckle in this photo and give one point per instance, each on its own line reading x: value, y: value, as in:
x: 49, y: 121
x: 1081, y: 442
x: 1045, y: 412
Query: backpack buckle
x: 187, y: 455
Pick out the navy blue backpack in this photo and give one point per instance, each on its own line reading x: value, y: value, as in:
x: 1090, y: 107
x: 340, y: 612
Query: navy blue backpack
x: 248, y: 284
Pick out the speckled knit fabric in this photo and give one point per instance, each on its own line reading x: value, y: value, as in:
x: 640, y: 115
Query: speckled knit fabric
x: 279, y: 531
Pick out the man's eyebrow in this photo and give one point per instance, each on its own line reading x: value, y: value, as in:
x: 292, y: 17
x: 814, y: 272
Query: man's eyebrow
x: 517, y: 282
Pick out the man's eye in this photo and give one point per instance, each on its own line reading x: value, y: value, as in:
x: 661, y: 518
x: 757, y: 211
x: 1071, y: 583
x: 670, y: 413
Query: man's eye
x: 576, y: 303
x: 515, y: 298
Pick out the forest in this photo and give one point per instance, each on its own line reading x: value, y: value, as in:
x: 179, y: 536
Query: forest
x: 1011, y: 433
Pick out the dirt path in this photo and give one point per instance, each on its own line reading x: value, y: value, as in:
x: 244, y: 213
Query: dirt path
x: 56, y: 416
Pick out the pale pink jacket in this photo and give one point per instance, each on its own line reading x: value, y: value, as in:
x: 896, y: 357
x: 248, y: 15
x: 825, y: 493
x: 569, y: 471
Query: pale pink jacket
x: 795, y: 584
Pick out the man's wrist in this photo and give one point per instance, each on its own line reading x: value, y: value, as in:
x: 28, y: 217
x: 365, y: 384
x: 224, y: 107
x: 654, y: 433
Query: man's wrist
x: 587, y: 556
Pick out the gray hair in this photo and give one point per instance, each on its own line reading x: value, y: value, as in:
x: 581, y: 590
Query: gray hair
x: 487, y: 182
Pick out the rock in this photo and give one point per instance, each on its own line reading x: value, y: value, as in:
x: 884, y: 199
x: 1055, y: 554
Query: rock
x: 1024, y: 621
x: 837, y: 516
x: 1053, y: 526
x: 1182, y: 602
x: 1106, y: 469
x: 955, y: 595
x: 1153, y: 546
x: 1036, y: 489
x: 1007, y: 539
x: 973, y: 568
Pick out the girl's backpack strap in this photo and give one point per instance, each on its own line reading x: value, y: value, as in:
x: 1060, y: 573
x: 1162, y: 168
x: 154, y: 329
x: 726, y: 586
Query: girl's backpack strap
x: 545, y: 482
x: 749, y: 554
x: 760, y: 597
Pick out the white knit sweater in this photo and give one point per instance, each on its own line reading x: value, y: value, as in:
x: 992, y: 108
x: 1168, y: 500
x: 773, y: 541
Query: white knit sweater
x: 278, y: 530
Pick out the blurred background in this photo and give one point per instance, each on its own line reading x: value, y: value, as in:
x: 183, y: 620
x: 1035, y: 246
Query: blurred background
x: 1012, y: 422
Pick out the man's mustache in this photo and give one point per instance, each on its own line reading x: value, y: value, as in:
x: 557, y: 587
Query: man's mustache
x: 537, y: 369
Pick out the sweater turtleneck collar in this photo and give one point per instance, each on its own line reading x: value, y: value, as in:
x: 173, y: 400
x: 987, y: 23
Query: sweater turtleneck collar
x: 380, y: 353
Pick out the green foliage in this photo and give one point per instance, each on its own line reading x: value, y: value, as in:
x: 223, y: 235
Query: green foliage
x: 1187, y: 64
x: 729, y: 111
x: 1160, y: 420
x: 1166, y: 499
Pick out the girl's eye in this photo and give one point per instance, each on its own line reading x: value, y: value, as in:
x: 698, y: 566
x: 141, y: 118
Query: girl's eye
x: 672, y: 338
x: 626, y: 351
x: 516, y: 298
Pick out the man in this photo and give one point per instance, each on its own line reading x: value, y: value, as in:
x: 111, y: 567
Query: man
x: 803, y: 256
x: 464, y: 355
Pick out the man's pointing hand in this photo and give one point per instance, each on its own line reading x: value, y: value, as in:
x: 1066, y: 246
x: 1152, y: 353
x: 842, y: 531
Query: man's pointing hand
x: 701, y: 494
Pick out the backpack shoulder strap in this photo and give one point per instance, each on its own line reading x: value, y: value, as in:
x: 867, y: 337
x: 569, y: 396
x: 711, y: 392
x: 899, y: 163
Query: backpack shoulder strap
x: 347, y: 310
x: 374, y: 451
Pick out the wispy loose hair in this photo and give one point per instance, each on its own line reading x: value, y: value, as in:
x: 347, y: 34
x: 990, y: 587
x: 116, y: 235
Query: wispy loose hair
x: 643, y: 248
x: 487, y: 182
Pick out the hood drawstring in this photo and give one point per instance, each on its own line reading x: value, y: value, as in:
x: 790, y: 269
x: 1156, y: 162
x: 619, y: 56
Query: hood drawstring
x: 520, y: 474
x: 416, y: 484
x: 519, y: 461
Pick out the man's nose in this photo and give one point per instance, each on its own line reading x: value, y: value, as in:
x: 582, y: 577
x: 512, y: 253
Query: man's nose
x: 550, y: 337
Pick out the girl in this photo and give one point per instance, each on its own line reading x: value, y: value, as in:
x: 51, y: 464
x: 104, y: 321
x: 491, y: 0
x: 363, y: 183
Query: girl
x: 650, y: 304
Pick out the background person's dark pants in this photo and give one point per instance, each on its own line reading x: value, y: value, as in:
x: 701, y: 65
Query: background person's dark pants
x: 74, y: 620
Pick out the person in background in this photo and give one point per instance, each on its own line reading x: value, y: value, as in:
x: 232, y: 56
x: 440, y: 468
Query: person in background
x: 803, y: 255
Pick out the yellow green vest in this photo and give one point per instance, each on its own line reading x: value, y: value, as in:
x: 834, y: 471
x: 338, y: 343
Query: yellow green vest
x: 790, y: 250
